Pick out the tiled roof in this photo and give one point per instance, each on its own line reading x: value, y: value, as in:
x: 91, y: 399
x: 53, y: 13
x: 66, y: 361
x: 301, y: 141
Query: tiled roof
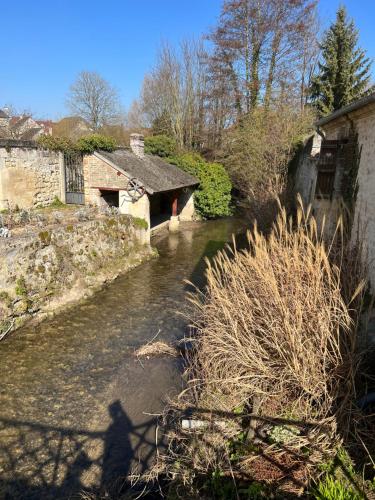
x: 153, y: 172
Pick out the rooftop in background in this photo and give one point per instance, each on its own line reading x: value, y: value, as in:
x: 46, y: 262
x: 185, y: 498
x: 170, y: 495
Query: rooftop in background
x: 155, y: 174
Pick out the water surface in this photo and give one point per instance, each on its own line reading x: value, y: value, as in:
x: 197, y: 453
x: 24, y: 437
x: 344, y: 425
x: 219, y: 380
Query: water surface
x: 76, y: 407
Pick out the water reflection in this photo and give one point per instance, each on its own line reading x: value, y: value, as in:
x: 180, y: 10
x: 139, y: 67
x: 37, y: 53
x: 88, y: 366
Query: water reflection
x: 65, y: 373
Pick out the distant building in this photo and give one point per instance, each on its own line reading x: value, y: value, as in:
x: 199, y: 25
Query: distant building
x: 23, y: 127
x: 4, y: 119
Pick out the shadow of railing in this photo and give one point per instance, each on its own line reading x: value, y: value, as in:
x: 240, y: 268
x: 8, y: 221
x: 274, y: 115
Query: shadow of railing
x: 46, y: 461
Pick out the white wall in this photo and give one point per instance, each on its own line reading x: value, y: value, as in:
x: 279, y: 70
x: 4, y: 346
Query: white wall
x: 140, y: 208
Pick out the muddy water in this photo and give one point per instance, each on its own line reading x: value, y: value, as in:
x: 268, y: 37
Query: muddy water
x: 76, y: 407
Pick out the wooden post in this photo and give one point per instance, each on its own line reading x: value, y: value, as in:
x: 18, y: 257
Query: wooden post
x: 174, y: 204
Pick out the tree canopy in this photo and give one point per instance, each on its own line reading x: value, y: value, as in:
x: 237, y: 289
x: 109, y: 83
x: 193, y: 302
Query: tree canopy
x: 344, y: 70
x: 94, y: 99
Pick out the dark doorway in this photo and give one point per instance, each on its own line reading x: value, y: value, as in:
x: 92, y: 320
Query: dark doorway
x: 160, y: 208
x: 111, y: 198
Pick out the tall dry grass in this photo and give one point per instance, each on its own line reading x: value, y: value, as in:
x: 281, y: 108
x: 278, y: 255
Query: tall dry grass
x: 274, y: 347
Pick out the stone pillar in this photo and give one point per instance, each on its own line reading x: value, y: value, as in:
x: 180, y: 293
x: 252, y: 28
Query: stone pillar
x: 62, y: 178
x: 137, y: 145
x: 186, y: 203
x: 139, y: 208
x: 174, y: 222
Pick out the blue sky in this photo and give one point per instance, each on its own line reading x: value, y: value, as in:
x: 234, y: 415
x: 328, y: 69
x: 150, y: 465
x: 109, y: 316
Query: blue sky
x: 45, y: 44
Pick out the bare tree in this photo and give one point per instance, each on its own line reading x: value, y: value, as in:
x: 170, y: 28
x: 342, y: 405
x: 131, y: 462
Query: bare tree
x: 94, y: 99
x: 260, y: 54
x: 262, y: 43
x: 173, y: 93
x: 135, y: 117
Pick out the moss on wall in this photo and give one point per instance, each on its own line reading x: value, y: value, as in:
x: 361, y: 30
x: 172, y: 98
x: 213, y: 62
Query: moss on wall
x: 59, y: 264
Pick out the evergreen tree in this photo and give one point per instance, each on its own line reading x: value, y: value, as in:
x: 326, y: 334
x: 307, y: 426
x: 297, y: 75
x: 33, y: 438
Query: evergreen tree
x: 344, y: 69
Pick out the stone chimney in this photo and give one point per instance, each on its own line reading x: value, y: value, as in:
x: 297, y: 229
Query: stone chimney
x: 137, y: 145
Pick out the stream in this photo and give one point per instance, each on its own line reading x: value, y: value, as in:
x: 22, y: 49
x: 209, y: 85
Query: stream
x: 77, y: 408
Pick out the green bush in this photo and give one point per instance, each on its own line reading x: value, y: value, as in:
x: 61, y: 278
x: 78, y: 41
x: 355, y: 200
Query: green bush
x: 95, y: 142
x: 213, y: 196
x: 86, y: 144
x: 160, y: 145
x: 56, y: 143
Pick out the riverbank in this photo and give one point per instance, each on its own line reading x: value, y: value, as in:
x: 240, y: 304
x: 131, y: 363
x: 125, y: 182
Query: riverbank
x: 54, y: 259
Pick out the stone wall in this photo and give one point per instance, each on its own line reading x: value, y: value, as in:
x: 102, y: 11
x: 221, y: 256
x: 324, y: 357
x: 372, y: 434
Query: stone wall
x: 186, y: 211
x: 307, y: 172
x: 29, y: 176
x: 363, y: 122
x: 365, y: 206
x: 45, y: 267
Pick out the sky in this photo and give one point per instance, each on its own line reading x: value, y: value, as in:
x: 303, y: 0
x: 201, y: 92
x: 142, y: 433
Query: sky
x: 45, y: 44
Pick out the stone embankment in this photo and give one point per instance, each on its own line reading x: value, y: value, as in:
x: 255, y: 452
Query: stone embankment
x: 57, y: 257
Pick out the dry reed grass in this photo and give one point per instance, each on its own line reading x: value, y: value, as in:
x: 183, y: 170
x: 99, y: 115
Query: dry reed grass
x: 274, y: 348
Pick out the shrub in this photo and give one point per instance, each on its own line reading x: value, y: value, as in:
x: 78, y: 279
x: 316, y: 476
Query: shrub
x: 95, y: 142
x: 213, y: 196
x: 267, y: 311
x: 56, y: 143
x: 86, y: 144
x: 260, y: 146
x: 139, y: 222
x: 160, y: 145
x: 57, y: 203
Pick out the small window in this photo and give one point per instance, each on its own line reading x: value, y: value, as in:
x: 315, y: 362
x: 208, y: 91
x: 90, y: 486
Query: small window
x: 324, y: 184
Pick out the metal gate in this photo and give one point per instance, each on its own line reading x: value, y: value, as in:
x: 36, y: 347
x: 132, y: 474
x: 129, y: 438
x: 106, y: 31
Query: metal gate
x: 74, y: 184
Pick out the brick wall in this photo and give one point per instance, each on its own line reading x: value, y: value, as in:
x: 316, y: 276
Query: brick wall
x: 98, y: 174
x: 29, y: 176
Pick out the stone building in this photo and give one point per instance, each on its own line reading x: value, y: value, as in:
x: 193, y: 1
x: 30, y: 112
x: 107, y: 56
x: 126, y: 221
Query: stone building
x: 140, y: 185
x: 338, y: 165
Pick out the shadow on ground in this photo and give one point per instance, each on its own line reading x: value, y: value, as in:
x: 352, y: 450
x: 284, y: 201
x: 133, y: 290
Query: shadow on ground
x: 55, y: 462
